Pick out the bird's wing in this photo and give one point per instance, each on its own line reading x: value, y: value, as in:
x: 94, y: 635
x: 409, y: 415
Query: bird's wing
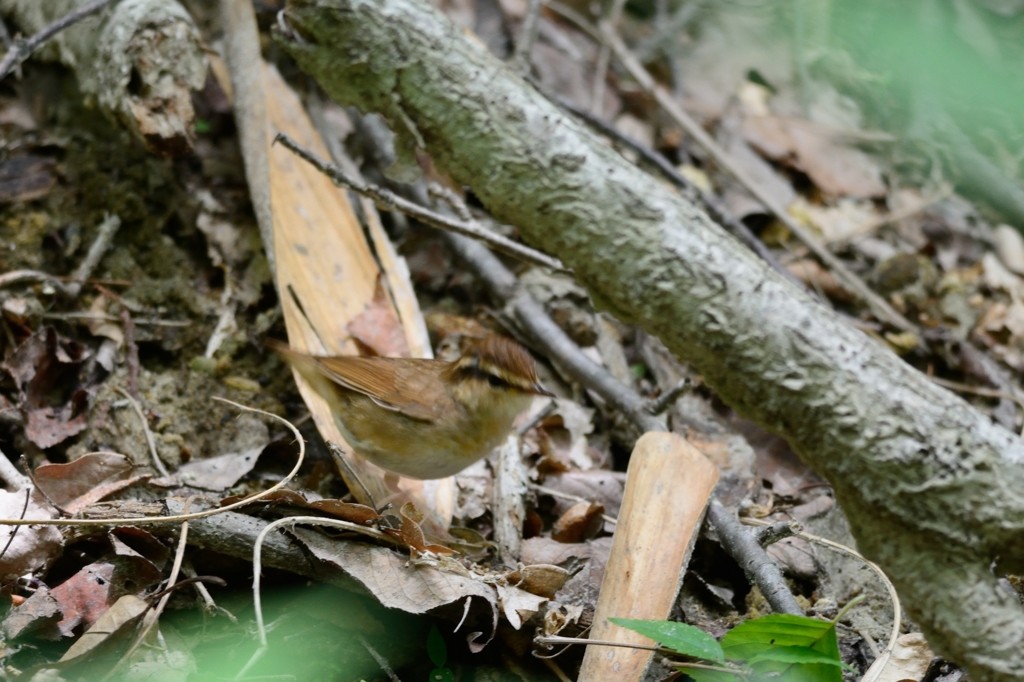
x: 413, y: 393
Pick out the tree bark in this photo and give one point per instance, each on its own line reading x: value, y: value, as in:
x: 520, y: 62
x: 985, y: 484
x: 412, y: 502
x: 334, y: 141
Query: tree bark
x: 934, y: 491
x: 137, y: 60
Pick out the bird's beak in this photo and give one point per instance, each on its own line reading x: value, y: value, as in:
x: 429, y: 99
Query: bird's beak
x: 540, y: 390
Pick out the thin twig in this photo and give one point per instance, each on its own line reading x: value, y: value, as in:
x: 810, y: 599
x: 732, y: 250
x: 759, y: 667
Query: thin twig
x: 24, y: 510
x: 527, y: 36
x: 178, y: 518
x: 897, y: 614
x: 715, y: 208
x: 742, y: 546
x: 978, y: 390
x: 388, y: 200
x: 603, y: 58
x: 381, y: 661
x: 114, y: 318
x: 879, y: 306
x: 31, y: 277
x: 157, y: 463
x: 22, y: 49
x: 5, y: 35
x: 867, y: 228
x: 669, y: 397
x: 554, y: 668
x: 670, y: 30
x: 104, y: 238
x: 257, y: 565
x: 769, y: 535
x: 10, y: 474
x: 132, y: 355
x: 211, y: 606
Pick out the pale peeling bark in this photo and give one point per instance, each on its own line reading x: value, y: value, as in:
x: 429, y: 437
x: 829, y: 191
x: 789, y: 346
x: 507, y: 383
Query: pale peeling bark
x: 137, y: 61
x: 933, y: 489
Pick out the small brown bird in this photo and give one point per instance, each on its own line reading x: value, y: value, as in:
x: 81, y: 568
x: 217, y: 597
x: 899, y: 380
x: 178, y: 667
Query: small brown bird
x: 424, y: 418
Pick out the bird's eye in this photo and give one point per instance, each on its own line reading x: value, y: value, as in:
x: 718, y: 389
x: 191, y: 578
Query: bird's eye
x: 496, y: 382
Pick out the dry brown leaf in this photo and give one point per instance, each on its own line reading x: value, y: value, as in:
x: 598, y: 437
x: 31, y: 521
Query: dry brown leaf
x: 518, y: 605
x: 910, y: 659
x: 38, y: 366
x: 123, y: 613
x: 85, y: 481
x: 378, y: 328
x: 35, y: 616
x: 580, y: 522
x: 412, y: 535
x: 87, y: 595
x: 835, y: 168
x: 346, y: 511
x: 540, y: 579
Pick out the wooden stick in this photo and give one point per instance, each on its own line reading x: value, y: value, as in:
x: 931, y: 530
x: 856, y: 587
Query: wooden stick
x: 668, y: 487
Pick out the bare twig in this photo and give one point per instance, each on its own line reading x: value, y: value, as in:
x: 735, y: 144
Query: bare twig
x: 113, y: 318
x: 5, y: 35
x: 24, y: 509
x: 22, y: 49
x: 133, y: 353
x: 388, y: 200
x: 894, y: 217
x: 603, y: 57
x: 670, y: 30
x: 527, y: 36
x: 381, y: 661
x: 666, y: 399
x: 211, y: 606
x: 157, y: 463
x: 978, y: 390
x: 105, y: 237
x: 14, y: 277
x: 10, y: 474
x: 257, y: 568
x: 742, y: 546
x: 715, y: 208
x: 879, y: 306
x: 768, y: 535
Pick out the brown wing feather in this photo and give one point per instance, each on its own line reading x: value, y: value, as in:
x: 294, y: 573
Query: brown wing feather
x: 378, y: 379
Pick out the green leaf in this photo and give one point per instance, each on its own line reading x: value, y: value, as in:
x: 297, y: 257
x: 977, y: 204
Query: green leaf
x: 795, y: 654
x: 702, y: 675
x: 436, y: 649
x: 756, y: 639
x: 441, y: 675
x: 680, y: 637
